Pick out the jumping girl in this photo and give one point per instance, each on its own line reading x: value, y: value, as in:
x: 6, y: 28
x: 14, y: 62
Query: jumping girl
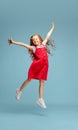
x: 39, y: 68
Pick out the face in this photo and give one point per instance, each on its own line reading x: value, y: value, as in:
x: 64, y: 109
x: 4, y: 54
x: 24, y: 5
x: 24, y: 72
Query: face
x: 36, y: 40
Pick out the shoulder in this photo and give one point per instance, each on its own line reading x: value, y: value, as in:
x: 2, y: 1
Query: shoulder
x: 43, y: 43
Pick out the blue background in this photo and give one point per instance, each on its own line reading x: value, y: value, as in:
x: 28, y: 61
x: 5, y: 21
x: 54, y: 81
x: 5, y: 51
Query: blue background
x: 21, y: 19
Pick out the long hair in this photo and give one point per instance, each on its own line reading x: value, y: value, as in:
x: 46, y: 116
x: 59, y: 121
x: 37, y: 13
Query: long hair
x: 49, y: 43
x: 32, y: 55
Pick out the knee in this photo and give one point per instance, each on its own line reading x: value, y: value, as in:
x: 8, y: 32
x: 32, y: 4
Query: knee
x: 41, y: 83
x: 29, y: 80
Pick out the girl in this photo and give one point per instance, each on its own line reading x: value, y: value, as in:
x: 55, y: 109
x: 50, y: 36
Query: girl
x: 39, y: 67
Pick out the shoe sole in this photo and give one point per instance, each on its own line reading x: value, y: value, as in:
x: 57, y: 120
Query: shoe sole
x: 40, y: 105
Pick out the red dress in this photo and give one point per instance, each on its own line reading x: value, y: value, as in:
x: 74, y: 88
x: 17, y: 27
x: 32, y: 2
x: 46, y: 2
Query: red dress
x: 39, y: 66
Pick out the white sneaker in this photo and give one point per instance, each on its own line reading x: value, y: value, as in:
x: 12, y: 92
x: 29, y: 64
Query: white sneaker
x: 18, y: 94
x: 41, y: 103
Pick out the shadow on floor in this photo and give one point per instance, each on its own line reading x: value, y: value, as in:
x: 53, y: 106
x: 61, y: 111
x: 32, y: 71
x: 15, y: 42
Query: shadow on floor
x: 21, y: 108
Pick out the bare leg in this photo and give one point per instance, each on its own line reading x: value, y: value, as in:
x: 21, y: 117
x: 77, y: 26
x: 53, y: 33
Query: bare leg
x: 40, y: 101
x: 19, y: 91
x: 24, y: 84
x: 41, y: 88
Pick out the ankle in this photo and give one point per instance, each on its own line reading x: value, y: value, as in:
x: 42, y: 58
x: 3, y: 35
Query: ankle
x: 40, y: 98
x: 20, y: 90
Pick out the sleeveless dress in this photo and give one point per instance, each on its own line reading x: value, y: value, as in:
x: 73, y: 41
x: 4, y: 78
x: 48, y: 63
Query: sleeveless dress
x: 39, y: 67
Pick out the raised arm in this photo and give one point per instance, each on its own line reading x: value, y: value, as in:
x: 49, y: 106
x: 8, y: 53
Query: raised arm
x: 49, y: 34
x: 11, y: 41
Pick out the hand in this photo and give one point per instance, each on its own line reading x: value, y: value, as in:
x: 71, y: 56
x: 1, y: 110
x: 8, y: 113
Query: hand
x: 53, y: 25
x: 10, y: 41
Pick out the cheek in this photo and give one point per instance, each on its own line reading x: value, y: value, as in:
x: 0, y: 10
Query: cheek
x: 33, y: 41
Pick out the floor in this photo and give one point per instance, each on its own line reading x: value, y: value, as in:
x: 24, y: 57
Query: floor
x: 21, y: 116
